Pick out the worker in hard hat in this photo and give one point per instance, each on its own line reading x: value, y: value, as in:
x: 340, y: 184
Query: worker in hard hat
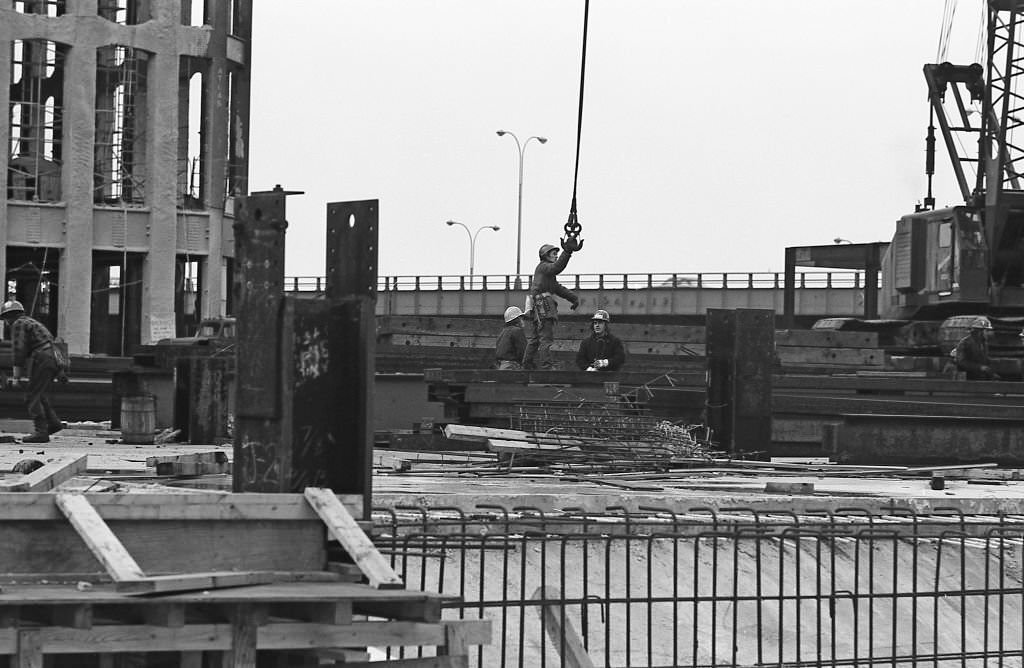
x: 511, y: 344
x: 602, y: 350
x: 541, y: 312
x: 34, y: 357
x: 971, y: 352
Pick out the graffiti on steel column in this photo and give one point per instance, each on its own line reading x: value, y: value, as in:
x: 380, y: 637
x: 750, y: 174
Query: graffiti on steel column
x: 260, y: 466
x: 311, y: 357
x: 312, y: 443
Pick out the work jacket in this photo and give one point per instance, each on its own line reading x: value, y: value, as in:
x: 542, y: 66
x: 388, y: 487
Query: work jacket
x: 511, y: 344
x: 970, y: 355
x: 604, y: 347
x: 545, y: 284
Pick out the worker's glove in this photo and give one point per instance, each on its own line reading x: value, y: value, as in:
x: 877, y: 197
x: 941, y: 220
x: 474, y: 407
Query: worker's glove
x: 572, y: 244
x: 590, y: 368
x: 601, y: 364
x: 575, y: 303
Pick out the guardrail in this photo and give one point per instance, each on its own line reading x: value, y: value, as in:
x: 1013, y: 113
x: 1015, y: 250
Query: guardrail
x: 703, y: 280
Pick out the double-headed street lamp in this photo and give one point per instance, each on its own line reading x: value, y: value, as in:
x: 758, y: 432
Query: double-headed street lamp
x: 519, y: 220
x: 472, y: 241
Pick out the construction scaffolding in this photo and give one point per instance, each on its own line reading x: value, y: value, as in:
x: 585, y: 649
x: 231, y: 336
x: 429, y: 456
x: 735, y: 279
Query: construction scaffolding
x: 35, y: 121
x: 120, y: 147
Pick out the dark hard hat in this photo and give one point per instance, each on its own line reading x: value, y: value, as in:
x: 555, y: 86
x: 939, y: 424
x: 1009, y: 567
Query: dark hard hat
x: 545, y: 249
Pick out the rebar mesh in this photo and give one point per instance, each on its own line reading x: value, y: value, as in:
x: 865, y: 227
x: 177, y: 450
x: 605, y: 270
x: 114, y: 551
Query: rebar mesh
x: 651, y: 587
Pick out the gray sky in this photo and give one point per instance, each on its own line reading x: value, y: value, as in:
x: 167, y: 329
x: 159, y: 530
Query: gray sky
x: 715, y: 134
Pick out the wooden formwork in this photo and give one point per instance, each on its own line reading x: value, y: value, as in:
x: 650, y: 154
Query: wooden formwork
x: 199, y: 579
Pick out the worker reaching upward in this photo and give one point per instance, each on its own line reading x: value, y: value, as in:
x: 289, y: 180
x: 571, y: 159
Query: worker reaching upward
x: 541, y: 307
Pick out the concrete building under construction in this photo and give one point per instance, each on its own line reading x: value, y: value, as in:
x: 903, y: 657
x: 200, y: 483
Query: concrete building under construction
x: 127, y: 131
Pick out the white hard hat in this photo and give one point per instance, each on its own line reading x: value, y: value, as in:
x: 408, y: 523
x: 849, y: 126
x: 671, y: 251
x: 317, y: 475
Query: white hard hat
x: 602, y: 315
x: 981, y: 322
x: 511, y: 313
x: 11, y: 307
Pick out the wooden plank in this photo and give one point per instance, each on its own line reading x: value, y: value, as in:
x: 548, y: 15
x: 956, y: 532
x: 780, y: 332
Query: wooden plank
x: 359, y: 547
x: 426, y: 662
x: 217, y: 637
x: 29, y: 653
x: 560, y: 631
x: 101, y: 541
x: 49, y: 475
x: 243, y: 639
x: 475, y: 434
x: 522, y: 447
x: 174, y: 506
x: 162, y: 584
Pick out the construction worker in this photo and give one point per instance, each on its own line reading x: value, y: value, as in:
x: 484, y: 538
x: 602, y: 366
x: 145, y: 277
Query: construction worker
x: 511, y: 344
x: 541, y: 307
x: 971, y: 352
x: 602, y: 350
x: 35, y: 357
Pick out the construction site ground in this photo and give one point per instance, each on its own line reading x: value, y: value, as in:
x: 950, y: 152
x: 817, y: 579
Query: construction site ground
x: 448, y: 479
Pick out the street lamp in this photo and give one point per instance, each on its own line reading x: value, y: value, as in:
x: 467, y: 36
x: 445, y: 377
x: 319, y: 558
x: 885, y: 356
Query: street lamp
x: 519, y: 220
x: 472, y: 241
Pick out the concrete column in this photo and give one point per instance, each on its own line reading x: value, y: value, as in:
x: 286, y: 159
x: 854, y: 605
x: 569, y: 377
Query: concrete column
x: 215, y: 140
x: 77, y: 183
x: 162, y: 163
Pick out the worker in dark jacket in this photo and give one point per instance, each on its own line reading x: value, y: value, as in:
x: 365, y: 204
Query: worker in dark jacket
x: 971, y: 352
x: 34, y: 356
x: 541, y: 307
x: 511, y: 344
x: 602, y: 350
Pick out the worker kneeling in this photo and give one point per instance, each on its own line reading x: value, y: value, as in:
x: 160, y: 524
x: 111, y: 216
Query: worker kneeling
x: 971, y: 352
x: 602, y: 350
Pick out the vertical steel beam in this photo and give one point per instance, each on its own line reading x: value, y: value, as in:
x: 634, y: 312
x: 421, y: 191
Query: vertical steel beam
x: 352, y: 298
x: 261, y: 459
x: 740, y: 359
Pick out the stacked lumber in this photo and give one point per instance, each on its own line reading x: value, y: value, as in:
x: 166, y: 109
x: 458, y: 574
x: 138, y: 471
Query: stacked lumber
x: 219, y: 579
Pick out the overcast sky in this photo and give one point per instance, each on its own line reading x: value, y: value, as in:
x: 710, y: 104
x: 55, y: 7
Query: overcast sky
x: 715, y: 134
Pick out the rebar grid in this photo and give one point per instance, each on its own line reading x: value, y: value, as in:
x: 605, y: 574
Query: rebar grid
x: 610, y: 435
x: 653, y: 587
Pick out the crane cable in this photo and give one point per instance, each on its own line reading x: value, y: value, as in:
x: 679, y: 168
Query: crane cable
x: 572, y: 226
x: 948, y: 12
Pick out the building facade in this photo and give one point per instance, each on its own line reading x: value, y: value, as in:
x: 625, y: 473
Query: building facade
x: 127, y: 133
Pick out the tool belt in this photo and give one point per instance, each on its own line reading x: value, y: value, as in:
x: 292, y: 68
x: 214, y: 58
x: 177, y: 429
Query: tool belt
x: 544, y: 306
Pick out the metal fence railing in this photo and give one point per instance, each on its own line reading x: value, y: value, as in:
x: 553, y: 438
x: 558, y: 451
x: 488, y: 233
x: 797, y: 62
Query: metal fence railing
x: 653, y: 587
x: 704, y: 280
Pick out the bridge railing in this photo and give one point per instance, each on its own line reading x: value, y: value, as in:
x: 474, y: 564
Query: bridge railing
x: 702, y: 280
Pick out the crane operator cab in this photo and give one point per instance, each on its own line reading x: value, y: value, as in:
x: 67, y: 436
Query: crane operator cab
x: 952, y: 261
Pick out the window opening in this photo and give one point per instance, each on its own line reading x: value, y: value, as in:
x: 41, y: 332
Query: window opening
x: 114, y: 290
x: 35, y: 118
x: 190, y: 286
x: 124, y: 12
x: 45, y: 7
x: 197, y: 12
x: 120, y: 173
x: 190, y: 153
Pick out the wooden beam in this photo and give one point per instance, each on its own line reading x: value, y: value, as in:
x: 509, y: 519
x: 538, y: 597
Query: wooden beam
x: 560, y: 631
x: 48, y: 476
x: 243, y: 638
x: 100, y: 540
x: 498, y: 445
x: 360, y: 548
x: 164, y: 584
x: 29, y: 651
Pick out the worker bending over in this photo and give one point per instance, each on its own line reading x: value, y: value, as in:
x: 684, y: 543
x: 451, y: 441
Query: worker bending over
x: 541, y: 307
x: 35, y: 357
x: 602, y: 350
x: 971, y: 352
x: 511, y: 344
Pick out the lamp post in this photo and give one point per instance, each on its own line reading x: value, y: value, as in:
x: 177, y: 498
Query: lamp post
x: 519, y: 219
x: 472, y: 241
